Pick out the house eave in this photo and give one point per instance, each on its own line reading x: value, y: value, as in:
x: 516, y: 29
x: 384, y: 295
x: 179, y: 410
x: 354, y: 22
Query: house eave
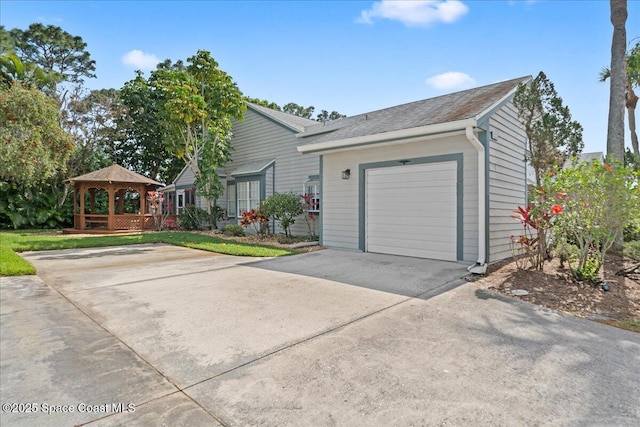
x: 388, y: 138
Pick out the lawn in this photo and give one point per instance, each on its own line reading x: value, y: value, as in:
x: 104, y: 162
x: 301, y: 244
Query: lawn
x: 13, y: 265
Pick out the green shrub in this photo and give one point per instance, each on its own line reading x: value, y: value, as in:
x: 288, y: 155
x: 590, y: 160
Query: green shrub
x: 632, y: 249
x: 284, y: 207
x: 597, y: 201
x: 565, y: 251
x: 233, y: 230
x: 632, y: 231
x: 193, y: 218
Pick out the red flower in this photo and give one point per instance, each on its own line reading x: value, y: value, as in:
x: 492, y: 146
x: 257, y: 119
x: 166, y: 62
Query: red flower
x: 608, y: 167
x: 556, y: 209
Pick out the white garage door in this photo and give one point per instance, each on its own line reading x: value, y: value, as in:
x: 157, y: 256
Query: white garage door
x: 411, y: 210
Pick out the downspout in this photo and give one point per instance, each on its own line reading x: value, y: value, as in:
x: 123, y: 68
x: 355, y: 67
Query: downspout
x: 480, y: 267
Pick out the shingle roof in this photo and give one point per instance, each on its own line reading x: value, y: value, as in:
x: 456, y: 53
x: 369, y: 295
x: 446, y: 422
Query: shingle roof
x: 456, y: 106
x: 114, y: 173
x: 252, y: 168
x: 294, y: 122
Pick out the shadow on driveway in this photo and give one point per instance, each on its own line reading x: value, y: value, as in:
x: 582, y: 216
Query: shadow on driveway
x: 411, y: 277
x: 84, y: 253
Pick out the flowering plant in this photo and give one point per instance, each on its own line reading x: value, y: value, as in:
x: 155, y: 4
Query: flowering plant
x: 256, y: 219
x: 156, y: 199
x: 537, y: 219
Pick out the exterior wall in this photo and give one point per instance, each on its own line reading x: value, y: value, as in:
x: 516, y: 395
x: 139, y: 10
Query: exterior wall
x: 507, y: 179
x: 258, y: 137
x: 340, y: 210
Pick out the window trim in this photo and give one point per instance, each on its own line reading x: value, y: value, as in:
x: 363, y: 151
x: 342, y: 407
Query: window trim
x: 316, y: 184
x: 235, y: 199
x: 261, y: 192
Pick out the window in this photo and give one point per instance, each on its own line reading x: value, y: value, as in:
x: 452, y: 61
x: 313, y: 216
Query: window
x: 248, y: 195
x: 231, y: 201
x: 312, y: 189
x: 180, y: 205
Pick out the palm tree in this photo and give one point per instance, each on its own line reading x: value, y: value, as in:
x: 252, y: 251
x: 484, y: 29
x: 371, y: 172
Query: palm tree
x: 615, y: 129
x: 631, y: 99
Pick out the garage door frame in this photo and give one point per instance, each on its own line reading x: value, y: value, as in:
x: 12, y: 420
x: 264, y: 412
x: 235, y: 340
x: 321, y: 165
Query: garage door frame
x: 456, y: 157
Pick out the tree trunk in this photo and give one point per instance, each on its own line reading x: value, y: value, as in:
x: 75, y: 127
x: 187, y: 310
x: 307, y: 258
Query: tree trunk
x: 615, y: 130
x: 632, y: 102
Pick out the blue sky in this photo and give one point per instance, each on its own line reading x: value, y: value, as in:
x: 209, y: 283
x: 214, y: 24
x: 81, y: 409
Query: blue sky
x: 353, y: 56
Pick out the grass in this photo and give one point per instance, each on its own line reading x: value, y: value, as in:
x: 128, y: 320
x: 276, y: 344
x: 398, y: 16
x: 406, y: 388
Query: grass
x: 13, y: 265
x: 632, y: 325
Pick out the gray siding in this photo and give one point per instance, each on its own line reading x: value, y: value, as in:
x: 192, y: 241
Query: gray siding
x: 185, y: 179
x: 507, y: 179
x: 258, y: 137
x: 340, y: 225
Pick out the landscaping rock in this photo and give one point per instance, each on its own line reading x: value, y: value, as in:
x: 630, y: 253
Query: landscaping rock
x: 520, y: 292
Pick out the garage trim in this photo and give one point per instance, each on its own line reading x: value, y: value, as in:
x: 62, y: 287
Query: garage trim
x: 456, y: 157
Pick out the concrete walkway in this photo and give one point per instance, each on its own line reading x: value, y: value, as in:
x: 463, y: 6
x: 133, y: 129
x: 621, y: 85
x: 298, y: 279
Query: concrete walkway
x: 325, y: 338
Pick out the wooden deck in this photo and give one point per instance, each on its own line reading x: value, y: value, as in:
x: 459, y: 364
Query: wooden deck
x: 99, y: 231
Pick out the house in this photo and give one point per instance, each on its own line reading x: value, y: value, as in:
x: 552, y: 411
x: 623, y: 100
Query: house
x: 264, y: 161
x: 437, y: 178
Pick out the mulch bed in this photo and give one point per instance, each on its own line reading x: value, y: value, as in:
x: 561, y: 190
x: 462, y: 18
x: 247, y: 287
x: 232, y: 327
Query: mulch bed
x: 554, y: 288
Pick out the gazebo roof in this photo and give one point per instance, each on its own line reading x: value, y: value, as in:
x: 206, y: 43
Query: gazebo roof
x: 114, y: 173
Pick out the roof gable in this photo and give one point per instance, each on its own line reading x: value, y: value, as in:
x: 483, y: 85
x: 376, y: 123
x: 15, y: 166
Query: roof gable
x: 114, y: 173
x: 467, y: 104
x: 295, y: 123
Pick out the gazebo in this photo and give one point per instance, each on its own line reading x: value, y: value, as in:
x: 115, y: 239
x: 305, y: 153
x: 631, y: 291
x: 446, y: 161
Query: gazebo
x: 111, y: 200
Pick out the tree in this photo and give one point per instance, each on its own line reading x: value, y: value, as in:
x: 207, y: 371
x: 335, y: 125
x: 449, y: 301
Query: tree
x: 54, y: 49
x: 615, y: 128
x: 325, y: 116
x: 7, y: 45
x: 33, y: 146
x: 298, y: 110
x: 263, y: 102
x: 140, y: 144
x: 58, y: 53
x: 631, y: 99
x: 200, y: 102
x: 13, y: 70
x: 552, y: 135
x: 91, y: 121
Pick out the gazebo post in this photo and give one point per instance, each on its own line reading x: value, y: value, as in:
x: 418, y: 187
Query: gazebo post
x: 143, y: 205
x: 75, y: 207
x: 82, y: 221
x: 92, y: 200
x: 111, y: 220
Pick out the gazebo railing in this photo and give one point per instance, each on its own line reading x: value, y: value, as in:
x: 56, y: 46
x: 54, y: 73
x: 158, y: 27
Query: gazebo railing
x: 133, y: 222
x: 120, y: 222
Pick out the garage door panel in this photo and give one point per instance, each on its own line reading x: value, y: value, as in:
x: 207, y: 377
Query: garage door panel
x: 401, y: 170
x: 412, y: 210
x: 409, y: 232
x: 431, y: 245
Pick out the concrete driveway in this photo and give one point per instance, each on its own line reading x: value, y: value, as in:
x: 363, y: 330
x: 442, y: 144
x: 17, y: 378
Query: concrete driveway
x: 325, y: 338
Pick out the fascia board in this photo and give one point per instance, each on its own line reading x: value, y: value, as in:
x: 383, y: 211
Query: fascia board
x: 400, y: 136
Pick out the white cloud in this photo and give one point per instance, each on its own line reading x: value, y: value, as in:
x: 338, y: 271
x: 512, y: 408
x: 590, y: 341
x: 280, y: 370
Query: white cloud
x: 414, y: 13
x: 46, y: 20
x: 140, y: 60
x: 451, y: 80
